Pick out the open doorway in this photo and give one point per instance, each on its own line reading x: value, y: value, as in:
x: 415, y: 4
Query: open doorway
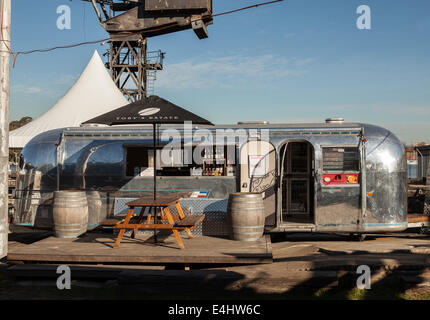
x: 297, y: 182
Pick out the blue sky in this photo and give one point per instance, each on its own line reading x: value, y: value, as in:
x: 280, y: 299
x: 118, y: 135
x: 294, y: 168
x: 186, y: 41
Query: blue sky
x: 293, y: 61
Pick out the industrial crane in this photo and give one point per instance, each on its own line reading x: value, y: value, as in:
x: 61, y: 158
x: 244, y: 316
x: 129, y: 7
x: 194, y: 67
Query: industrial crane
x: 129, y: 24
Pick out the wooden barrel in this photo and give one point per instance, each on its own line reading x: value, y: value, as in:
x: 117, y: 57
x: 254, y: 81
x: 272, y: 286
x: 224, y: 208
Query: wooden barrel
x: 96, y: 212
x: 70, y: 213
x: 246, y: 216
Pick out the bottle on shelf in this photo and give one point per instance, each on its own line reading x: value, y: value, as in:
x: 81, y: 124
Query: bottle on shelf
x: 230, y: 169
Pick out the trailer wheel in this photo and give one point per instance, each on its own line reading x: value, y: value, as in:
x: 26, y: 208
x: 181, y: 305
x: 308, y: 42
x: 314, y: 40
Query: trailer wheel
x: 423, y: 229
x: 426, y: 209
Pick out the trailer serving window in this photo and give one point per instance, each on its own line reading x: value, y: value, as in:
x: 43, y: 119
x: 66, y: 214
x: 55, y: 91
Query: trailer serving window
x: 215, y: 161
x: 136, y: 158
x: 140, y: 162
x: 341, y: 158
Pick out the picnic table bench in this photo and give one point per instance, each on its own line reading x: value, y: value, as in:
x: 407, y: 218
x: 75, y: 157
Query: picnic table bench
x: 157, y: 214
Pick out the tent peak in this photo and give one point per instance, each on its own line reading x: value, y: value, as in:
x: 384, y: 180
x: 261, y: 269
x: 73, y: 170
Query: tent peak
x: 93, y: 93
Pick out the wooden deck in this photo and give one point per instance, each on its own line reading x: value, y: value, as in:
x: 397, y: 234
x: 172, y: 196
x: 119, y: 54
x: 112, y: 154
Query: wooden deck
x: 98, y: 249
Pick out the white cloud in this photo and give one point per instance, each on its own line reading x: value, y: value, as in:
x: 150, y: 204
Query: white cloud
x: 34, y: 89
x: 303, y: 62
x: 410, y: 132
x: 66, y: 79
x: 23, y: 89
x: 414, y: 111
x: 56, y: 86
x: 229, y: 71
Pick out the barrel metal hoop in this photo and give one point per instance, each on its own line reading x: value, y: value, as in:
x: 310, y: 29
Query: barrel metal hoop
x: 244, y: 233
x: 75, y: 204
x: 250, y: 239
x: 240, y: 227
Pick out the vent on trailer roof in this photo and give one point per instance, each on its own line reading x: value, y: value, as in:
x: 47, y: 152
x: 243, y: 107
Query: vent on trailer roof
x: 334, y: 120
x: 253, y: 122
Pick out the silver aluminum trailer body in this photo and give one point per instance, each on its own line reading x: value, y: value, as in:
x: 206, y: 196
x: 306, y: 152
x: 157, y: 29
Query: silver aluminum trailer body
x: 344, y: 177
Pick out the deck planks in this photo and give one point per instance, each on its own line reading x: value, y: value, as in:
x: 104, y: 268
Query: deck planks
x: 98, y: 248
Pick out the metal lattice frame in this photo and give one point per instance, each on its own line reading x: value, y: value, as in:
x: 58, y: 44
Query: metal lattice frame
x: 129, y: 66
x: 127, y: 60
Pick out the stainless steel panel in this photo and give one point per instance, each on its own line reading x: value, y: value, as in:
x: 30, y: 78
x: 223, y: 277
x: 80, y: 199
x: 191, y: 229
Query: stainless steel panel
x: 93, y: 159
x: 386, y: 179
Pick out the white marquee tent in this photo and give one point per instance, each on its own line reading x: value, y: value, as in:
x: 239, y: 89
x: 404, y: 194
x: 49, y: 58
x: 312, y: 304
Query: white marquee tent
x: 93, y: 94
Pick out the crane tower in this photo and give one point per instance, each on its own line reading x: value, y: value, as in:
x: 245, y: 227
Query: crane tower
x: 131, y: 22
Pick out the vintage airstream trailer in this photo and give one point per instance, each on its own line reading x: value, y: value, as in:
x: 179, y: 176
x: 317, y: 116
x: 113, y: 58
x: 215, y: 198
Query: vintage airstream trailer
x: 332, y: 177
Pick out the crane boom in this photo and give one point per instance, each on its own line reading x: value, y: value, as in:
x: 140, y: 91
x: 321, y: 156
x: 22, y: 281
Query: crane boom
x: 154, y: 17
x: 129, y: 24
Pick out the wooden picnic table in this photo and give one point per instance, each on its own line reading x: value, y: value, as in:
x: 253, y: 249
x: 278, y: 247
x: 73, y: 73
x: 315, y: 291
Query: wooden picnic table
x: 158, y: 213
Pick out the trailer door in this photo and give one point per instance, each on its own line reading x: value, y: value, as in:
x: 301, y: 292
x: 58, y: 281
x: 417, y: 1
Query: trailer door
x: 258, y: 174
x: 339, y: 198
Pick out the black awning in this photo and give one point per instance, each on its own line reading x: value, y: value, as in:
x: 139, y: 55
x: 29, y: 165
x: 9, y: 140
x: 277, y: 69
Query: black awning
x: 148, y: 111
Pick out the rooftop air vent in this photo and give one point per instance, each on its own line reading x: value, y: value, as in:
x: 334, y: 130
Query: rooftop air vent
x: 334, y: 120
x: 253, y: 122
x: 93, y: 125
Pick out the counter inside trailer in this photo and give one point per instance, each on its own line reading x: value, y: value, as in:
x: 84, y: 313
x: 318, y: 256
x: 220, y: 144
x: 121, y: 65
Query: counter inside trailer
x: 208, y: 187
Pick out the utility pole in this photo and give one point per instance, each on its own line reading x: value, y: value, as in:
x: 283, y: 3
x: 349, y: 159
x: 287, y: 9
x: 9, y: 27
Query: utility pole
x: 5, y: 11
